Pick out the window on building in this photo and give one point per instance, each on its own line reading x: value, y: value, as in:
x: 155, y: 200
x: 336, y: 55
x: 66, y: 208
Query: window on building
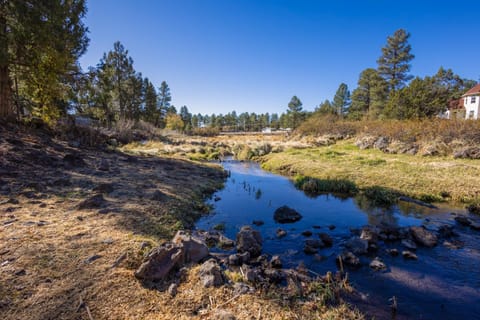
x: 472, y: 100
x: 471, y: 114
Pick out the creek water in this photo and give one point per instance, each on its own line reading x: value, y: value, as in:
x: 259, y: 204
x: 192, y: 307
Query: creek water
x: 443, y: 283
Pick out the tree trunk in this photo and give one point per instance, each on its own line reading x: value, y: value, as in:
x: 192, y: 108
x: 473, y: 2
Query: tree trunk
x: 6, y: 109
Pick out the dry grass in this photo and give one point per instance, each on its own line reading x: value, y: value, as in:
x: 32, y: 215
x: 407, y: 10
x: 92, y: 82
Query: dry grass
x: 434, y: 178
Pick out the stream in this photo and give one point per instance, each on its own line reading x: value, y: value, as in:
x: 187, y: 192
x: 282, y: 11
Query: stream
x: 444, y: 283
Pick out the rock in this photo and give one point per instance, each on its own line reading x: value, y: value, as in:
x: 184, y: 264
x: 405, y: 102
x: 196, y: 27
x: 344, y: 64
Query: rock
x: 331, y: 227
x: 258, y: 222
x: 240, y: 288
x: 275, y: 262
x: 369, y: 234
x: 173, y: 289
x: 307, y: 233
x: 315, y: 243
x: 225, y: 243
x: 251, y: 274
x: 446, y: 231
x: 280, y: 233
x: 104, y: 165
x: 238, y: 259
x: 194, y: 249
x: 474, y: 208
x: 326, y: 239
x: 249, y: 240
x: 464, y: 221
x: 393, y: 252
x: 160, y: 262
x: 210, y: 274
x: 220, y: 314
x: 357, y: 245
x: 467, y: 153
x: 350, y: 259
x: 94, y: 202
x: 274, y: 275
x: 454, y: 244
x: 423, y: 236
x: 409, y: 255
x: 158, y: 195
x: 286, y: 215
x: 381, y: 143
x: 378, y: 264
x: 409, y: 244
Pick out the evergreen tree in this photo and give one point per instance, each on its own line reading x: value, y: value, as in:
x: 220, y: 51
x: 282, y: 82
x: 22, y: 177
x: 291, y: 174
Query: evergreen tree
x: 164, y: 99
x: 40, y: 43
x: 394, y: 63
x: 341, y: 100
x: 370, y: 97
x: 325, y: 108
x: 186, y: 117
x: 151, y: 110
x: 294, y: 111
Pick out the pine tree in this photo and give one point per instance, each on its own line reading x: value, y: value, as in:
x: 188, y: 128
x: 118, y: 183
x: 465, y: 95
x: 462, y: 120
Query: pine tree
x: 164, y: 99
x: 150, y: 113
x: 40, y: 43
x: 370, y: 96
x: 341, y: 100
x: 294, y: 111
x: 394, y: 63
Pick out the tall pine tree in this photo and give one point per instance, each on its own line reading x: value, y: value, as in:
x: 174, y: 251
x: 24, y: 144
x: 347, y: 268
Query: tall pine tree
x: 394, y: 63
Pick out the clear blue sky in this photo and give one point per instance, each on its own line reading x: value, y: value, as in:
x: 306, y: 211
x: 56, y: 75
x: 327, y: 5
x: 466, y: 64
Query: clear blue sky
x: 253, y: 56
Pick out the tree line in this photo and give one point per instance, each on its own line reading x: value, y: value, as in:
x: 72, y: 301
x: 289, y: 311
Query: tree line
x: 40, y: 75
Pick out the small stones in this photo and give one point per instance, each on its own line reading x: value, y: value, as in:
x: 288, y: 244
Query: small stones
x: 280, y: 233
x: 258, y: 223
x: 393, y: 252
x: 378, y: 265
x: 249, y: 240
x: 326, y: 239
x: 240, y: 288
x: 409, y: 244
x: 349, y: 258
x: 307, y: 233
x: 409, y: 255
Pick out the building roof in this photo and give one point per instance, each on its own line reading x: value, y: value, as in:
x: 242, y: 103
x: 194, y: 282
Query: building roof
x: 473, y: 92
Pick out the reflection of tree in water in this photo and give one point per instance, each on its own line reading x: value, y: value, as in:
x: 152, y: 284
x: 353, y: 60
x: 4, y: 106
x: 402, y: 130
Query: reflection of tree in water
x: 412, y: 210
x: 376, y: 215
x: 247, y: 187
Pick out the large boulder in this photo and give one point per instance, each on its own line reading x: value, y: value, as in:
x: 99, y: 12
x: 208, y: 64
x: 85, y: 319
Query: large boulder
x: 423, y: 237
x: 194, y: 249
x: 160, y: 262
x: 286, y: 215
x: 249, y: 240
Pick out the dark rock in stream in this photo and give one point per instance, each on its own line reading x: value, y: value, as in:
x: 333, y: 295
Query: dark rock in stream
x: 424, y: 237
x: 249, y: 240
x: 357, y: 245
x: 378, y: 265
x: 326, y: 239
x: 409, y: 255
x: 258, y: 223
x: 464, y: 221
x: 307, y: 233
x: 349, y: 258
x: 286, y: 215
x: 275, y: 262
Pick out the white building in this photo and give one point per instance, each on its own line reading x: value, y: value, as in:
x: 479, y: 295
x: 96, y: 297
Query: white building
x: 471, y: 102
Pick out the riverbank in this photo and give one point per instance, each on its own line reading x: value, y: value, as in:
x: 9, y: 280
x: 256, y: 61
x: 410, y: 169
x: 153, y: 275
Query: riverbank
x: 76, y: 223
x: 431, y: 178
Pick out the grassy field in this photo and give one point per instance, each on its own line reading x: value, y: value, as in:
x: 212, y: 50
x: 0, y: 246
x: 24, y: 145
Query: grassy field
x: 424, y: 178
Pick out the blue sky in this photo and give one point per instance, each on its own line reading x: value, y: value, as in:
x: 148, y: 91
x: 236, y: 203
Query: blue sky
x: 253, y: 56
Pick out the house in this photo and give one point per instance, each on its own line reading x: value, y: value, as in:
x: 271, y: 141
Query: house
x: 471, y: 102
